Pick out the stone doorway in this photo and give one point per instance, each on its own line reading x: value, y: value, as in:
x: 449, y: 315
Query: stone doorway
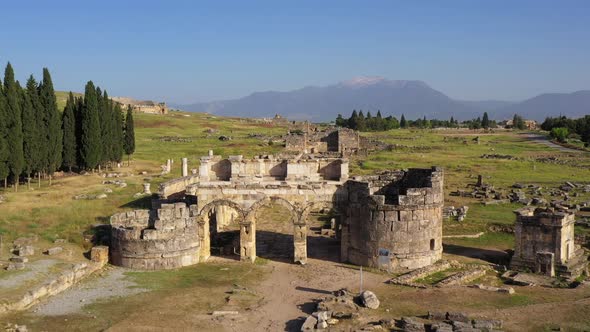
x: 323, y: 234
x: 274, y: 232
x: 220, y: 224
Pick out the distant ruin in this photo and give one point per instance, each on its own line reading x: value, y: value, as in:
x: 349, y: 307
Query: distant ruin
x: 142, y: 106
x: 545, y: 243
x: 391, y: 221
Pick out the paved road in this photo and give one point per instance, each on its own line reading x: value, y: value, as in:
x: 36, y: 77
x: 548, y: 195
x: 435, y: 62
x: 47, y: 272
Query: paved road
x: 545, y: 141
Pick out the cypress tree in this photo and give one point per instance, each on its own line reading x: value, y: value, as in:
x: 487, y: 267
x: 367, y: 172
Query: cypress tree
x: 78, y: 115
x: 485, y: 121
x: 90, y: 129
x: 31, y: 140
x: 102, y: 128
x: 118, y: 132
x: 52, y: 123
x: 69, y: 132
x: 129, y: 142
x: 4, y: 151
x: 402, y: 122
x: 16, y: 161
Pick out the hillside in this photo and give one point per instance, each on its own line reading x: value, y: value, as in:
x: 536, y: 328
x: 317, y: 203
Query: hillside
x: 573, y: 105
x: 62, y: 97
x: 412, y: 98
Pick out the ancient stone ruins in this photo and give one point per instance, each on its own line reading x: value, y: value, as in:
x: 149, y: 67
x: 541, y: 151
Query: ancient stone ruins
x: 142, y: 106
x: 545, y: 243
x: 391, y: 220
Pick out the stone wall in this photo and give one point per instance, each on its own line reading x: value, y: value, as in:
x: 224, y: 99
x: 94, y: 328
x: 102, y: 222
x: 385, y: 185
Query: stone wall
x: 272, y: 168
x: 165, y: 238
x: 394, y: 220
x: 176, y: 187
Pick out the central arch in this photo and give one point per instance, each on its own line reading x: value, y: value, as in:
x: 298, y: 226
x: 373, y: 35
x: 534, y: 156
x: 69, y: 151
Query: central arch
x: 274, y: 237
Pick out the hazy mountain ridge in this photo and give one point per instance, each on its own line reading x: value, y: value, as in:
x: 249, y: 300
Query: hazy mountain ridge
x: 412, y: 98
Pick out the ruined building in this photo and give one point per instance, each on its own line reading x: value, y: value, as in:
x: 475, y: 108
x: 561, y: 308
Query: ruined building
x: 312, y: 140
x: 391, y: 220
x: 545, y: 243
x: 142, y: 106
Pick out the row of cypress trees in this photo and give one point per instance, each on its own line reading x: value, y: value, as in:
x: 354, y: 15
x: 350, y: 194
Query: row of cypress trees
x: 36, y: 139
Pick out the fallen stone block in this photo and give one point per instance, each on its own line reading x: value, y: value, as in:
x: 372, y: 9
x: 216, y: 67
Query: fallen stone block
x: 441, y: 327
x: 457, y: 317
x: 100, y: 254
x: 24, y: 251
x: 15, y: 266
x: 370, y: 300
x: 487, y: 324
x: 53, y: 251
x: 19, y: 259
x: 224, y: 313
x: 309, y: 324
x: 437, y: 315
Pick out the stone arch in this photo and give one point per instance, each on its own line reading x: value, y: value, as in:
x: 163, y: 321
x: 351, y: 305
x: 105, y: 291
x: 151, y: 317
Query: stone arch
x: 220, y: 202
x: 299, y: 228
x: 204, y: 224
x: 324, y: 245
x: 318, y: 205
x: 294, y: 210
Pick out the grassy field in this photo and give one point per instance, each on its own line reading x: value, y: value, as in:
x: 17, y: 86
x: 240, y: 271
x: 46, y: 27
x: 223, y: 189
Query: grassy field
x: 52, y: 213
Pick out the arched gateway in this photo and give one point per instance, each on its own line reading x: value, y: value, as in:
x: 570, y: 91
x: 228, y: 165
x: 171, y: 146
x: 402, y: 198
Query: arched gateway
x: 391, y: 220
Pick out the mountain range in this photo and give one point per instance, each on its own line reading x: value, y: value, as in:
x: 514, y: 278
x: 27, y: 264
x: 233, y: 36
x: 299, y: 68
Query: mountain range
x: 393, y: 97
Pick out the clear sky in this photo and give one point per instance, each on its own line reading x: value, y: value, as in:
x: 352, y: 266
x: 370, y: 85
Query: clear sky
x: 186, y: 51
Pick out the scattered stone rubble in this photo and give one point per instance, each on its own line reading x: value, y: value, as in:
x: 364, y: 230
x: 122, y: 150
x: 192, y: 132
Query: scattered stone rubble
x: 342, y: 305
x: 448, y: 322
x: 460, y: 213
x: 119, y: 183
x: 22, y: 247
x: 15, y: 328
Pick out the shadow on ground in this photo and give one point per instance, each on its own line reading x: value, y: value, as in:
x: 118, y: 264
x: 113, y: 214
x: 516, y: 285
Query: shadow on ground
x: 488, y: 255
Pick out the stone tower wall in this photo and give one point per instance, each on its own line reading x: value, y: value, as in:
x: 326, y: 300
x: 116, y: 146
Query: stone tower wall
x: 166, y: 238
x: 392, y: 225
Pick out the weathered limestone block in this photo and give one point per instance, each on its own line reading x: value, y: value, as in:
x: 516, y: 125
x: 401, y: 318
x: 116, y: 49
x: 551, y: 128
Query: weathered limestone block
x: 100, y: 254
x: 24, y: 251
x: 53, y: 251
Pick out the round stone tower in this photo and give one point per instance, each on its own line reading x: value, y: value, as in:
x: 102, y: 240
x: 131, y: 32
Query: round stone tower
x: 394, y: 220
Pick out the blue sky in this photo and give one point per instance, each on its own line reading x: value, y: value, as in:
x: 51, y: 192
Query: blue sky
x: 185, y: 51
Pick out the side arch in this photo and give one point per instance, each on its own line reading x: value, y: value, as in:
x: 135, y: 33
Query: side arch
x: 204, y: 223
x: 222, y: 202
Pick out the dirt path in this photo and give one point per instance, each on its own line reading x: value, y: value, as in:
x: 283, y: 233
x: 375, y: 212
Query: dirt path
x: 290, y: 292
x: 543, y: 140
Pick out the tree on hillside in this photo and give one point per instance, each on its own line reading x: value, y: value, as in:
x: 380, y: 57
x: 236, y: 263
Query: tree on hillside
x: 69, y: 134
x: 52, y: 123
x: 402, y: 122
x: 518, y: 122
x: 16, y: 159
x: 340, y: 121
x: 103, y: 121
x: 4, y: 151
x: 129, y: 142
x: 90, y: 129
x: 485, y: 121
x: 118, y: 135
x: 560, y: 134
x: 31, y: 139
x: 38, y: 128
